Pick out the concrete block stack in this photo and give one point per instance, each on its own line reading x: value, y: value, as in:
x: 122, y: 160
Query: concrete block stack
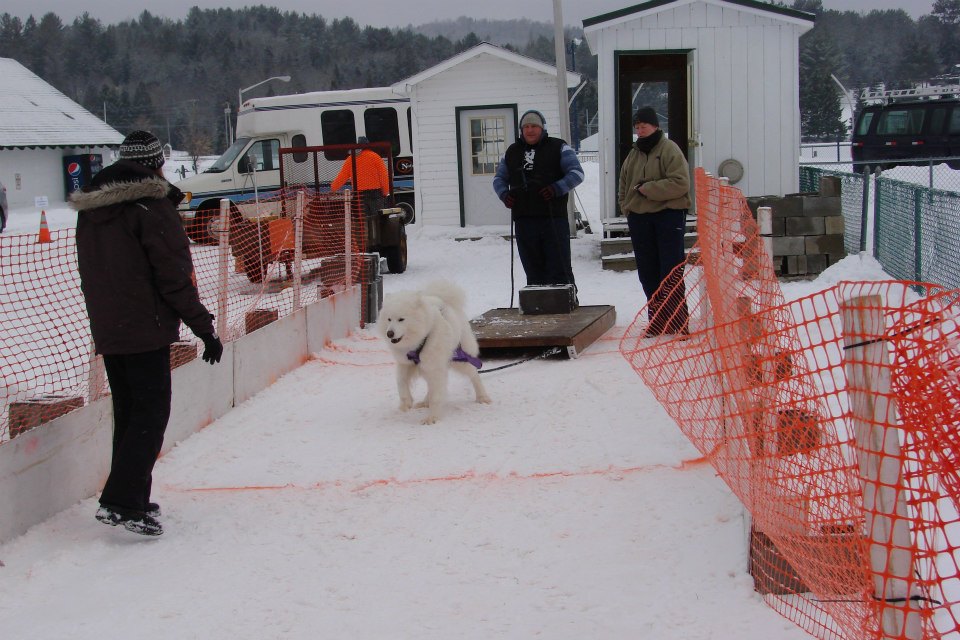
x: 807, y: 229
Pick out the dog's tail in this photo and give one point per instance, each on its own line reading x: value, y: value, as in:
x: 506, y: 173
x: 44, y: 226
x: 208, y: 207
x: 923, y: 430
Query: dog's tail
x: 451, y: 294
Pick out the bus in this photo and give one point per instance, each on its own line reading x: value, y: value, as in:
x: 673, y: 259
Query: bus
x: 249, y: 169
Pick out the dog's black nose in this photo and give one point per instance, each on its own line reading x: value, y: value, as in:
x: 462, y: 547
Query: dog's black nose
x: 390, y: 333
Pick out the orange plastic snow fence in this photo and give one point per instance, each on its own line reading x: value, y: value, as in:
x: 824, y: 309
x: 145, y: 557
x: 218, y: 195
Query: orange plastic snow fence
x: 277, y: 254
x: 835, y: 418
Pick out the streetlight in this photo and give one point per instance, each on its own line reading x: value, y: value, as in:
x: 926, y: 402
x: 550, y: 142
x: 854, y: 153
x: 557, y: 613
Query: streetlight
x: 254, y: 86
x: 226, y: 122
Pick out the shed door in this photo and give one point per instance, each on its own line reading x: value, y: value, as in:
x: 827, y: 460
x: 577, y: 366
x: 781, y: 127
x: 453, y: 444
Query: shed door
x: 657, y: 80
x: 485, y: 134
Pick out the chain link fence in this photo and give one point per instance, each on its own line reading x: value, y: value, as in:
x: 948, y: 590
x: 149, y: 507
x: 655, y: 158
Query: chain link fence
x: 906, y: 217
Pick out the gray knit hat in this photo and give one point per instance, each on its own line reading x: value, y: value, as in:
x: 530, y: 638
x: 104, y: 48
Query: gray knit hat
x: 533, y: 117
x: 144, y: 148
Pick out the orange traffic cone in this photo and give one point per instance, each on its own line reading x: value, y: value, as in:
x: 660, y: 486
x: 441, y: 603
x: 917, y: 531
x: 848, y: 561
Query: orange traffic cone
x: 44, y: 235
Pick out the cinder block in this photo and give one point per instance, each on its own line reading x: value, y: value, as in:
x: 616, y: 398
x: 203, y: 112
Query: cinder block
x: 27, y: 414
x: 778, y: 227
x: 828, y: 206
x: 790, y: 246
x: 182, y: 352
x: 771, y: 572
x: 830, y: 186
x: 838, y: 545
x: 788, y: 206
x: 796, y: 265
x: 257, y: 318
x: 805, y: 226
x: 834, y: 225
x: 816, y: 263
x: 823, y: 244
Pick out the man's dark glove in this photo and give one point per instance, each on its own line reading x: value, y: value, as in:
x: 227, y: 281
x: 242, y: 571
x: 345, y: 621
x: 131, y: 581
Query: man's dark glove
x: 509, y: 201
x: 212, y: 347
x: 547, y: 193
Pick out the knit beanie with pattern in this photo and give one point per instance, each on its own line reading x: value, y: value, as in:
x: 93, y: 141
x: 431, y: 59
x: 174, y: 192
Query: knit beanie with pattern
x: 144, y: 148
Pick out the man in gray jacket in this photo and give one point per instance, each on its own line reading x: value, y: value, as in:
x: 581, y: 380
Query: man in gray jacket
x: 138, y: 282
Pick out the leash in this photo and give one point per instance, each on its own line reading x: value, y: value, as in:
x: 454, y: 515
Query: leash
x: 549, y: 352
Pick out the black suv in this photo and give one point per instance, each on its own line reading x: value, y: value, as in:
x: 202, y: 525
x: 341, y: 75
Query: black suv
x: 907, y: 133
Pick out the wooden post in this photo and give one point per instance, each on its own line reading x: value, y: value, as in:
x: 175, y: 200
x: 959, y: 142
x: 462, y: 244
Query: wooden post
x: 875, y: 420
x: 223, y: 267
x: 765, y: 226
x: 298, y: 247
x: 96, y: 377
x: 348, y: 240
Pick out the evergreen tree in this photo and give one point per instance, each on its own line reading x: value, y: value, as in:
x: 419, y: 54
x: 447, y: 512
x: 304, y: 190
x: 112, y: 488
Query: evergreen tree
x: 946, y: 13
x: 820, y: 108
x: 11, y: 36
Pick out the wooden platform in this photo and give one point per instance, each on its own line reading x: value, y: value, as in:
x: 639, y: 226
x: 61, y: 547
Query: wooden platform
x: 508, y: 330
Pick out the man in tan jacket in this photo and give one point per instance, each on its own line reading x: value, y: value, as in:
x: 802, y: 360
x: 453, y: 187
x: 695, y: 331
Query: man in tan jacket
x: 654, y: 195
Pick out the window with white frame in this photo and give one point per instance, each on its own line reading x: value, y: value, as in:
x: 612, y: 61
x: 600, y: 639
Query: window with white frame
x: 487, y: 144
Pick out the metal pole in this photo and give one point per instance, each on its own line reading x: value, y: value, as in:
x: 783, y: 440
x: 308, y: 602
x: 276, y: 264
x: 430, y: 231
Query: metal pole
x: 917, y: 234
x: 561, y: 62
x: 226, y: 122
x: 865, y: 209
x: 574, y: 124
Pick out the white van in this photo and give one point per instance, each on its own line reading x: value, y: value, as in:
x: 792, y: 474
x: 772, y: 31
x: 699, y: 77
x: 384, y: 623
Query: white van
x: 250, y: 169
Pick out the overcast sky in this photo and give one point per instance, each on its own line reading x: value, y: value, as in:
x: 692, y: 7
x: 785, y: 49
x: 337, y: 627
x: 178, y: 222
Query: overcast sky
x: 391, y: 13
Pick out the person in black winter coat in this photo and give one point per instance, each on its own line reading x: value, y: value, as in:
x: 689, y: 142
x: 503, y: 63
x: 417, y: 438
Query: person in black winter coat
x: 138, y: 282
x: 533, y: 180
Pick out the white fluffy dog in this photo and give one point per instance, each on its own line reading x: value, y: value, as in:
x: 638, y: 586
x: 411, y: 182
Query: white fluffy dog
x: 429, y: 334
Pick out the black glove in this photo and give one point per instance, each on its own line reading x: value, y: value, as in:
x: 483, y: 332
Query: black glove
x: 212, y: 347
x: 508, y: 200
x: 547, y: 193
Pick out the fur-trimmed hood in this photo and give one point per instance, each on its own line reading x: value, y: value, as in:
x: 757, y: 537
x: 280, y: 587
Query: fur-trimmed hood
x: 120, y: 183
x: 113, y: 193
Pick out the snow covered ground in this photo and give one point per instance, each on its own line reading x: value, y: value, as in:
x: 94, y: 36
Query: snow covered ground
x: 571, y: 508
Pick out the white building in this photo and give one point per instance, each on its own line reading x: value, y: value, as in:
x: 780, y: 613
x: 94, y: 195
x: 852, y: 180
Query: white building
x: 43, y: 135
x: 465, y: 113
x: 723, y: 76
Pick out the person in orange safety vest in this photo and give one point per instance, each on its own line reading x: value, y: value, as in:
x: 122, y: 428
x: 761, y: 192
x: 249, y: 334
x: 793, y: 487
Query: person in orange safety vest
x: 372, y: 172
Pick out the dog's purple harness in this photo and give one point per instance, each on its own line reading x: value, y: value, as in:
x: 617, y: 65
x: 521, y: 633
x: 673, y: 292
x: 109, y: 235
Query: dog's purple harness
x: 458, y: 356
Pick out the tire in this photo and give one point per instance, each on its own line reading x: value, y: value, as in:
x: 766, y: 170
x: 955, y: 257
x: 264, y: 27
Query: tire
x: 198, y: 229
x: 397, y: 255
x: 255, y: 269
